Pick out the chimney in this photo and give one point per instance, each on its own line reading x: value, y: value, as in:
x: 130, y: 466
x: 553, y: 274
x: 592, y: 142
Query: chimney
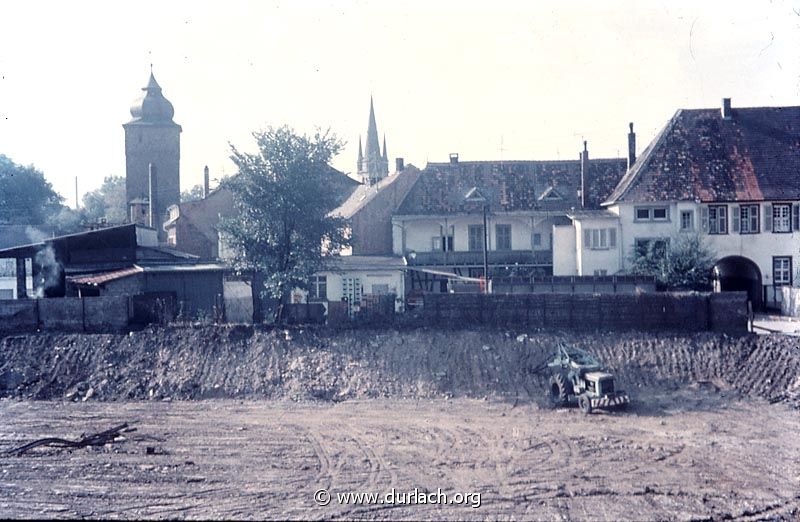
x: 631, y: 146
x: 205, y: 182
x: 399, y: 164
x: 454, y: 158
x: 584, y: 174
x: 726, y: 109
x: 151, y: 192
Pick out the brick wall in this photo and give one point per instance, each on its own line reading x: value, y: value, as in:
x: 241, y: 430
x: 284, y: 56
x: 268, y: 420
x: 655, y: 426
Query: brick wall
x: 726, y: 312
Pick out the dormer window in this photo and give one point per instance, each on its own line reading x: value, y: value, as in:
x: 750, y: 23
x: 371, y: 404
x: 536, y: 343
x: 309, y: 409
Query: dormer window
x: 550, y: 194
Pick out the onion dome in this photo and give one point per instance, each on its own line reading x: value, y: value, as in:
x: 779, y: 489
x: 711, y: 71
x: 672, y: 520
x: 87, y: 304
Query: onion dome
x: 152, y: 107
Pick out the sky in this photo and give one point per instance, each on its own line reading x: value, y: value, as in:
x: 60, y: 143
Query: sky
x: 487, y: 80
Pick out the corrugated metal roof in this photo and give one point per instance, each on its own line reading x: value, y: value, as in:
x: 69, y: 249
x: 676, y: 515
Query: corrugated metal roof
x: 105, y: 277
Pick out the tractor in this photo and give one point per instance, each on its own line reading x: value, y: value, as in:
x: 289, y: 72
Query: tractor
x: 576, y: 373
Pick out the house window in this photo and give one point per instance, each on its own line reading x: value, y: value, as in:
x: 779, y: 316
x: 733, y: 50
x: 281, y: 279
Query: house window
x: 782, y: 270
x: 718, y: 219
x: 651, y: 214
x: 687, y: 220
x: 503, y: 237
x: 781, y: 218
x: 600, y: 238
x: 537, y: 240
x: 748, y: 219
x: 476, y: 238
x: 319, y: 288
x: 380, y: 289
x: 6, y: 293
x: 601, y: 273
x: 443, y: 242
x: 657, y: 246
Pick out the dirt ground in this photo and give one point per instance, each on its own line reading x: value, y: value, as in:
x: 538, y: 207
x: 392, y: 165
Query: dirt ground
x: 693, y: 453
x: 249, y: 423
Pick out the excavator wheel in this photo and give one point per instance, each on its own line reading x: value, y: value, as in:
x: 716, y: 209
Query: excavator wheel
x: 559, y: 395
x: 585, y: 403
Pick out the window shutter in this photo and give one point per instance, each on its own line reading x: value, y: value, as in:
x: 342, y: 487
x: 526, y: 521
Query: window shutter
x: 612, y: 238
x: 735, y: 216
x: 768, y: 217
x: 704, y: 219
x: 796, y: 217
x: 587, y: 238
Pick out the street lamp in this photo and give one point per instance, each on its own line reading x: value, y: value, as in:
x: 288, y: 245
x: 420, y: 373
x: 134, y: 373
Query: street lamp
x: 474, y: 196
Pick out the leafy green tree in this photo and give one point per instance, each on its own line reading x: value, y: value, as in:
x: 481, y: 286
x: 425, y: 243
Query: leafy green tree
x: 282, y: 197
x: 684, y: 263
x: 193, y: 194
x: 26, y: 197
x: 107, y: 202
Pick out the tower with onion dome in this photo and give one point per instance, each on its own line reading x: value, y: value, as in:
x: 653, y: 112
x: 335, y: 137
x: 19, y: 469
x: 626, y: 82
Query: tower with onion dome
x: 152, y: 158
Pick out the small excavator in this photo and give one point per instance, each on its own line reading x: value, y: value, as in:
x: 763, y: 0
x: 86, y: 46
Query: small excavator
x: 576, y: 374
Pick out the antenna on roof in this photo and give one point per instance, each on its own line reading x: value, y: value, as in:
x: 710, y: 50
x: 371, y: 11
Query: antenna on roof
x: 502, y: 149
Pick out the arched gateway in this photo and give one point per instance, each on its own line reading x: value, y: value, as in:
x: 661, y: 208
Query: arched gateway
x: 737, y: 273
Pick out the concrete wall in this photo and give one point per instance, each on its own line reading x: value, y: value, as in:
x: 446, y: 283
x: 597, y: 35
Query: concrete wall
x: 790, y: 303
x: 725, y: 312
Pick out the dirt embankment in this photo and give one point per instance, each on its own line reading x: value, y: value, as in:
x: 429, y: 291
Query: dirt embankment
x: 211, y: 362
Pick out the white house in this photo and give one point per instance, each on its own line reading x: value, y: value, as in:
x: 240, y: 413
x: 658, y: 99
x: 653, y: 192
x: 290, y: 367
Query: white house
x: 731, y: 175
x: 439, y: 226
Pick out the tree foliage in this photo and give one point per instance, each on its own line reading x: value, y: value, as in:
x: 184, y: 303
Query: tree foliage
x: 684, y: 263
x: 193, y: 194
x: 282, y: 196
x: 107, y: 202
x: 26, y: 197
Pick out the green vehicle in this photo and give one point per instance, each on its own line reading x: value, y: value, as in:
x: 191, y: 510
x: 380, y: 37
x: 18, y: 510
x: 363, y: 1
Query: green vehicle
x: 578, y: 375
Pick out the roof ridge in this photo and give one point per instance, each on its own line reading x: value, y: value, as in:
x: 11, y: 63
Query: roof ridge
x: 644, y: 160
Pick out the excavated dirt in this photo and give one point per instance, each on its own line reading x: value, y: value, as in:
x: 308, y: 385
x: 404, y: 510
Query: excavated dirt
x: 240, y: 362
x: 711, y: 432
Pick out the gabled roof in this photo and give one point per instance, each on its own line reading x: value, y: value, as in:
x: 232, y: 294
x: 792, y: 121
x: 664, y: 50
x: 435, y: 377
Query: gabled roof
x: 510, y: 185
x: 752, y: 156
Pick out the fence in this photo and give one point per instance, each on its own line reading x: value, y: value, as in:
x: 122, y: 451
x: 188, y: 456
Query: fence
x: 725, y: 312
x: 67, y: 313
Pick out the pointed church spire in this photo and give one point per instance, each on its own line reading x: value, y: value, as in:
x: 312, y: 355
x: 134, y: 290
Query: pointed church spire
x: 385, y: 157
x: 373, y: 165
x: 360, y: 155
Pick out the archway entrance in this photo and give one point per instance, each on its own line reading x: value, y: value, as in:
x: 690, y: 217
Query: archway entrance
x: 739, y: 274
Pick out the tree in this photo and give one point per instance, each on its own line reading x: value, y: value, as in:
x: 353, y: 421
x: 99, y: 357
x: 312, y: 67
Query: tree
x: 26, y: 197
x: 685, y: 263
x: 107, y: 202
x: 282, y: 197
x: 193, y: 194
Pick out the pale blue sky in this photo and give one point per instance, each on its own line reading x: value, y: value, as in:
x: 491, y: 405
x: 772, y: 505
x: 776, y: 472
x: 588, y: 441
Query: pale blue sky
x: 446, y: 76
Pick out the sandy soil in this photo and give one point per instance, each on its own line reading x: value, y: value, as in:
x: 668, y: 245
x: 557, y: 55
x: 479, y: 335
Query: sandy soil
x: 692, y: 453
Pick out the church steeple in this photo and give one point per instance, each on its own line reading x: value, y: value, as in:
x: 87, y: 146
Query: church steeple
x: 372, y: 165
x: 360, y: 155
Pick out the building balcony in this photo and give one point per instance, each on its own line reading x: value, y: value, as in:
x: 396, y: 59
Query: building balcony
x: 542, y: 258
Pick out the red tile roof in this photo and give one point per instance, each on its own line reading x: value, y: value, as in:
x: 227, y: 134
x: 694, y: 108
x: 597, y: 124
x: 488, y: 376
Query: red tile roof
x: 752, y: 156
x: 511, y: 185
